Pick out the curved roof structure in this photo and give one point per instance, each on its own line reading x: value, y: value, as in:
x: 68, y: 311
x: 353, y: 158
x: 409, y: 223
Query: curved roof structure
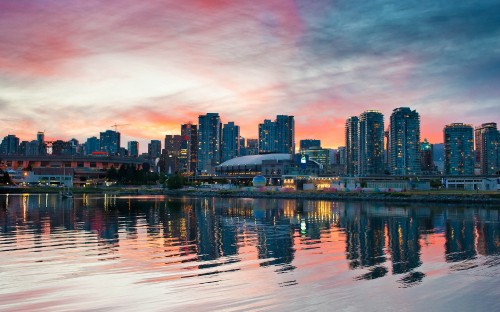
x: 254, y: 160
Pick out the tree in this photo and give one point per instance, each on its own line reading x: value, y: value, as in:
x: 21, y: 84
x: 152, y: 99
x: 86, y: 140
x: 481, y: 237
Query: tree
x: 175, y: 182
x: 436, y: 183
x: 111, y: 174
x: 6, y: 178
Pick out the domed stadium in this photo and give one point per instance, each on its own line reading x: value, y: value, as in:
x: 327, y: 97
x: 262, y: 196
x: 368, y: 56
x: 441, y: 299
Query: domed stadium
x: 253, y: 165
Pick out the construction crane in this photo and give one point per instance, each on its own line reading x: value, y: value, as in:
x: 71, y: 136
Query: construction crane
x: 117, y: 125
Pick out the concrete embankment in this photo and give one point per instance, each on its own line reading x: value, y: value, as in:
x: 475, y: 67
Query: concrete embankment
x: 352, y: 196
x: 491, y: 198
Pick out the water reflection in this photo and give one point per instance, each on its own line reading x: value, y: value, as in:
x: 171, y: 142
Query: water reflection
x: 226, y: 235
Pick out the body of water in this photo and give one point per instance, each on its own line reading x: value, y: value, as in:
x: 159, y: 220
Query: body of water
x: 109, y: 253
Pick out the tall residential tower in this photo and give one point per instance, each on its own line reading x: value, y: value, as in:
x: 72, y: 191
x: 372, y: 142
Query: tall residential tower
x: 209, y: 142
x: 458, y: 149
x: 404, y: 142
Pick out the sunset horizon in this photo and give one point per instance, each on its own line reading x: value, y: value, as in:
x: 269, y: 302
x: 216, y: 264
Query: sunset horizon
x: 75, y: 69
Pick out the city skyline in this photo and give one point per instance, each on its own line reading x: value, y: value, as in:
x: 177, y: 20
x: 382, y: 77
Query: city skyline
x: 74, y: 69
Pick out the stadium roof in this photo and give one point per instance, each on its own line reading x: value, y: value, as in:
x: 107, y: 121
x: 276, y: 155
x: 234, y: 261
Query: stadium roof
x: 254, y: 160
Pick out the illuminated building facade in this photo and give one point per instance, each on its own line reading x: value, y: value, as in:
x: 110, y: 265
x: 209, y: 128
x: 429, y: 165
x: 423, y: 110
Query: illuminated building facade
x: 277, y: 136
x: 175, y: 154
x: 190, y: 134
x: 371, y: 143
x: 351, y: 145
x: 319, y: 155
x: 110, y: 142
x: 404, y: 142
x: 230, y: 141
x: 488, y: 148
x: 426, y: 157
x: 209, y: 142
x: 458, y: 149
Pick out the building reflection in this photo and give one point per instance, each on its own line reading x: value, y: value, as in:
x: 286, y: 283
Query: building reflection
x: 379, y: 239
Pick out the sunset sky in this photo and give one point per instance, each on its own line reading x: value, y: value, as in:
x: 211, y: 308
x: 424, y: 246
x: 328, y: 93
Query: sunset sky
x: 74, y: 68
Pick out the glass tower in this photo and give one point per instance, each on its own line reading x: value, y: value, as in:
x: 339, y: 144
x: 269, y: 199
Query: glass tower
x: 230, y: 141
x: 458, y: 149
x: 404, y: 142
x: 371, y: 143
x: 209, y: 142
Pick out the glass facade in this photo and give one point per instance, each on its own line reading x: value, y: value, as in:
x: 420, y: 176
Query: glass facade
x: 487, y: 148
x: 209, y: 142
x: 404, y: 142
x: 351, y: 145
x: 230, y: 141
x: 458, y: 149
x: 371, y: 143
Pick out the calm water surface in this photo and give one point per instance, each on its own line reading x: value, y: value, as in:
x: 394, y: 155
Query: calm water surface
x: 108, y: 253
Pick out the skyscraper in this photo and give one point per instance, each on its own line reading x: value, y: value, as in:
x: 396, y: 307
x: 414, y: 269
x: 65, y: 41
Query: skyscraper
x: 133, y: 148
x: 252, y: 147
x: 351, y: 145
x: 404, y: 142
x: 371, y: 143
x: 230, y: 141
x: 277, y: 136
x: 92, y: 145
x: 154, y: 149
x: 267, y: 137
x: 175, y: 153
x: 190, y: 134
x: 10, y: 145
x: 209, y: 142
x: 110, y: 142
x: 426, y: 157
x: 458, y: 149
x: 285, y: 134
x: 488, y: 148
x: 42, y: 148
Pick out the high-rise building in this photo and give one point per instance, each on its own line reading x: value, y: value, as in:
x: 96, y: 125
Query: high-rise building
x: 488, y: 148
x: 42, y: 148
x: 309, y: 143
x: 230, y: 141
x: 133, y: 148
x: 32, y: 148
x: 154, y: 149
x: 60, y: 147
x: 285, y: 134
x: 371, y: 143
x: 351, y: 145
x: 458, y: 149
x: 175, y: 154
x: 92, y: 145
x: 267, y: 137
x: 9, y: 145
x: 277, y: 136
x: 252, y: 147
x: 404, y: 142
x: 110, y: 142
x: 426, y: 157
x: 209, y: 142
x: 190, y: 134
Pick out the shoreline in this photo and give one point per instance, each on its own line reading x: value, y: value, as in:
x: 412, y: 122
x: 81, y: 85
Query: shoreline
x: 472, y: 198
x: 435, y: 196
